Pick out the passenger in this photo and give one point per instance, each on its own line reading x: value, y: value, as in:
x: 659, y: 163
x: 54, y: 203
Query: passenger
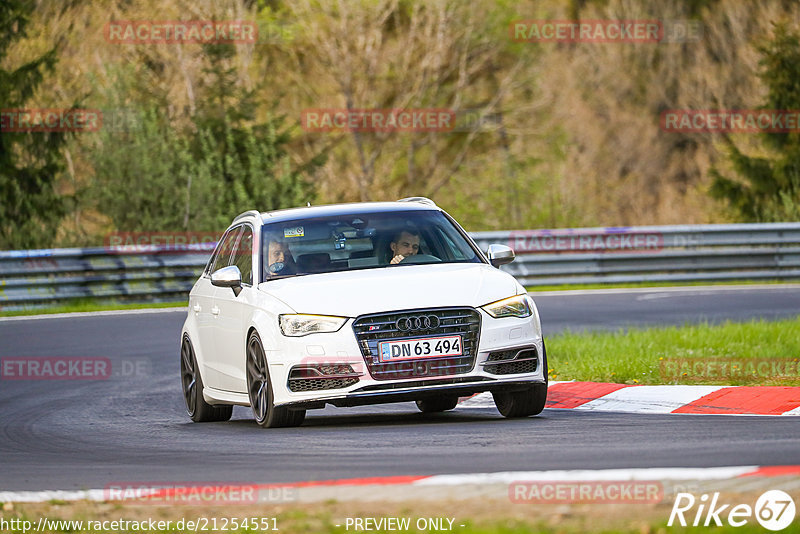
x: 279, y: 259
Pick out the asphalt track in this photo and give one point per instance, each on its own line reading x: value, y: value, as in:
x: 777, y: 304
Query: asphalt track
x: 132, y: 426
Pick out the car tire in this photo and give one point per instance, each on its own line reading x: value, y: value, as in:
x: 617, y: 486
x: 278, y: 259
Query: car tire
x: 524, y: 403
x: 437, y: 404
x: 259, y: 389
x: 192, y: 385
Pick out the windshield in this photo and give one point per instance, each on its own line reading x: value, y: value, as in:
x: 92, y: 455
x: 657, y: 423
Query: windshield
x: 362, y: 241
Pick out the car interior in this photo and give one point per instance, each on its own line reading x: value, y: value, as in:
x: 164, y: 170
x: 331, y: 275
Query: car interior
x: 340, y: 244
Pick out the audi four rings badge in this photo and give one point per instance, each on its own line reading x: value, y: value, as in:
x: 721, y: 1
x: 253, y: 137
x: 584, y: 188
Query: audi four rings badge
x: 417, y: 322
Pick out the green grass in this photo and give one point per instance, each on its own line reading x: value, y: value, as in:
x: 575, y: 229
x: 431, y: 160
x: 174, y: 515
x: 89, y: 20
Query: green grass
x: 665, y: 355
x: 635, y: 285
x: 492, y: 515
x: 90, y: 306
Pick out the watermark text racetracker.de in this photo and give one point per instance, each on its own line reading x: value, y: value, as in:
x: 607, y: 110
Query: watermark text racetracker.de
x: 401, y: 120
x: 729, y: 369
x: 162, y: 242
x: 141, y: 32
x: 200, y: 524
x: 75, y: 120
x: 591, y: 491
x: 378, y: 120
x: 605, y: 31
x: 567, y: 240
x: 197, y: 493
x: 42, y: 120
x: 730, y: 121
x: 72, y: 368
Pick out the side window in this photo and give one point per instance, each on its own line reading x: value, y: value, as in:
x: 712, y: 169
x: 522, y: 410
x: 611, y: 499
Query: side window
x: 223, y: 254
x: 243, y: 256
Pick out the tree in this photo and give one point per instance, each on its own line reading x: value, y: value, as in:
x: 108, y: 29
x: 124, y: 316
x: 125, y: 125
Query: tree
x: 146, y: 175
x: 30, y: 207
x: 246, y: 153
x: 394, y: 54
x: 771, y: 187
x: 165, y: 174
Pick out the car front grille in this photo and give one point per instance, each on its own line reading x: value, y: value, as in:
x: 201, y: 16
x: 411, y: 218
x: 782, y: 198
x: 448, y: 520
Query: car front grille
x: 314, y: 377
x: 372, y: 329
x: 512, y: 368
x: 316, y: 384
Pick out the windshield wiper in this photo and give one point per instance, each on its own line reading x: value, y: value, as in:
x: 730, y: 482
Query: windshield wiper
x: 282, y: 276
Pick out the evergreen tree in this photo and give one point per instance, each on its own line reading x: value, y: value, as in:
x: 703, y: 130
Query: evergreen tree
x: 771, y: 187
x: 247, y: 153
x: 158, y: 176
x: 30, y: 207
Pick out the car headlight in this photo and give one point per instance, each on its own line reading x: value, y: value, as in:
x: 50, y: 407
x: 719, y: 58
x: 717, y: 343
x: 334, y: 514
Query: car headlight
x: 516, y: 306
x: 296, y: 325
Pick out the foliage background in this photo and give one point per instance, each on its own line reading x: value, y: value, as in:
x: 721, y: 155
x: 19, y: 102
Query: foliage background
x: 196, y: 134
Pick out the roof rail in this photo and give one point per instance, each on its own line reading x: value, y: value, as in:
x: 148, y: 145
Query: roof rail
x: 421, y: 200
x: 247, y: 213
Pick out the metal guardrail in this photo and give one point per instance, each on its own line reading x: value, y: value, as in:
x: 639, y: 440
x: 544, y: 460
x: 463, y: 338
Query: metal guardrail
x: 681, y: 253
x: 37, y: 278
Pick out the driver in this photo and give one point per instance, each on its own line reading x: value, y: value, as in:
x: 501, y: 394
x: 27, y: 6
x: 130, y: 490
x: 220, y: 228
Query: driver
x: 279, y: 259
x: 404, y: 243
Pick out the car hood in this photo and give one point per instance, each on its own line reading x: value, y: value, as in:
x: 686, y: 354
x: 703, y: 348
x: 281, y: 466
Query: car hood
x: 354, y: 293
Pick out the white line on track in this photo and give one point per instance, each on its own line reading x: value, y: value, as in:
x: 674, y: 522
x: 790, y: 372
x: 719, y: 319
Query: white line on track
x: 92, y: 314
x: 667, y: 289
x: 647, y: 473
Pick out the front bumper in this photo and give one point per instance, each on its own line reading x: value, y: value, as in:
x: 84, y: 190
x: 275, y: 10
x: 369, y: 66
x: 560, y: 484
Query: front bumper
x: 498, y: 340
x: 465, y: 387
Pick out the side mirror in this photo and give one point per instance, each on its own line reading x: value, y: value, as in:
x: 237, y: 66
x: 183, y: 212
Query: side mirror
x: 229, y: 276
x: 500, y: 255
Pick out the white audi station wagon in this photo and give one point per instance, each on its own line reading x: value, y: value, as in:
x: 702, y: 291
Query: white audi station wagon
x: 357, y: 304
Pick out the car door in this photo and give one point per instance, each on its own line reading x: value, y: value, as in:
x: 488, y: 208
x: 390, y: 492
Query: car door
x: 207, y: 310
x: 230, y: 323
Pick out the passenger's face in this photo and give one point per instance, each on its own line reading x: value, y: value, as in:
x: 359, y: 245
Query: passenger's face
x: 406, y: 245
x: 277, y: 252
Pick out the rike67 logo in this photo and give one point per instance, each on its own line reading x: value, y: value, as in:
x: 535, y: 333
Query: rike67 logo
x: 774, y: 510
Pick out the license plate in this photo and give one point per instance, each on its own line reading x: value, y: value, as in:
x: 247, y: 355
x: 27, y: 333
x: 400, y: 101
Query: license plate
x: 411, y: 349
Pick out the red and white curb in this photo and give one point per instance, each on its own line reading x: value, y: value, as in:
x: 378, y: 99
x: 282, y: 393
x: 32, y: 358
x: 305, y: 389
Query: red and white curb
x: 727, y: 400
x: 358, y: 488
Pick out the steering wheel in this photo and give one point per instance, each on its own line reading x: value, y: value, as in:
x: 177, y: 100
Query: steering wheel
x: 420, y: 258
